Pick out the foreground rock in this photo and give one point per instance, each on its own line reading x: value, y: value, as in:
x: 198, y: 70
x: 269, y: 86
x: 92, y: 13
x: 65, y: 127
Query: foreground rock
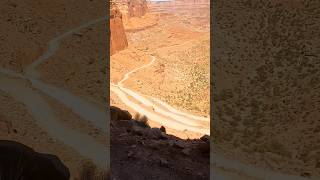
x: 18, y: 161
x: 118, y: 39
x: 141, y: 152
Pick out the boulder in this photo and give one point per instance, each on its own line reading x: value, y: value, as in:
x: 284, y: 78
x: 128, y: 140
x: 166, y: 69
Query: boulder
x: 18, y: 161
x: 163, y: 129
x: 205, y: 138
x: 119, y: 114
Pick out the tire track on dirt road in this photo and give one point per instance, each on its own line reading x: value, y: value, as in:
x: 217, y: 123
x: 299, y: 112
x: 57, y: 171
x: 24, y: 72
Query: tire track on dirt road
x: 46, y: 118
x: 82, y: 143
x: 168, y: 117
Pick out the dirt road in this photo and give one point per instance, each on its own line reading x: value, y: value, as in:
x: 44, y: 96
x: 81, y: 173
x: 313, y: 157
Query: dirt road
x: 20, y: 86
x: 223, y: 168
x: 162, y: 112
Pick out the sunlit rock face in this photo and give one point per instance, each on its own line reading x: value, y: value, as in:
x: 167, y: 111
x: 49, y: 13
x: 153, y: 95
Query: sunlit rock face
x: 137, y: 8
x: 118, y: 39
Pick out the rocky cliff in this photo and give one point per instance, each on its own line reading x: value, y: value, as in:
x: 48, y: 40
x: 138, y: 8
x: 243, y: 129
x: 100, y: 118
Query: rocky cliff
x: 141, y: 152
x: 118, y: 39
x: 137, y: 8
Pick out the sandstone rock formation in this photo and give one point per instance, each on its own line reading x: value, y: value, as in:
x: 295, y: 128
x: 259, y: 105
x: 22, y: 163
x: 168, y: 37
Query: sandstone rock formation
x: 118, y: 39
x: 137, y: 8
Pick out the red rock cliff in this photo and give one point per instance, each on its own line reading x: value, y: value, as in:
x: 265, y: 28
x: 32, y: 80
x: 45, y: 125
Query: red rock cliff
x: 137, y: 8
x: 118, y: 39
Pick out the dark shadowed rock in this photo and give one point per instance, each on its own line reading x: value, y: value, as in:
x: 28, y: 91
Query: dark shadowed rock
x: 186, y: 151
x: 205, y: 138
x: 163, y: 129
x: 179, y: 144
x: 114, y: 113
x: 125, y: 115
x: 119, y: 114
x: 142, y: 152
x: 18, y: 161
x: 138, y: 130
x: 156, y: 133
x: 164, y: 162
x: 204, y: 148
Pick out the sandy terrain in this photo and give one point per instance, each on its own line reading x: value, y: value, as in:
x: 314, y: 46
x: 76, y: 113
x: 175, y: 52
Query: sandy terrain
x: 18, y: 124
x: 40, y: 110
x: 265, y: 91
x: 28, y: 22
x: 79, y: 64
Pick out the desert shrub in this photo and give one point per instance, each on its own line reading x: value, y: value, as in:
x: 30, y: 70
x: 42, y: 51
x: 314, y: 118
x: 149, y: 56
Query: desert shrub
x: 141, y: 120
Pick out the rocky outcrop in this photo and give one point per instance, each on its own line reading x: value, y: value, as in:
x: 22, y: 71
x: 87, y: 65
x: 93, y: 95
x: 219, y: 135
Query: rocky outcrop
x: 141, y: 152
x: 118, y: 39
x: 18, y: 161
x: 137, y: 8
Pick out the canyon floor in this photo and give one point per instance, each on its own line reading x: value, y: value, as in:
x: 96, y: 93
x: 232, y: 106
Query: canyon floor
x: 265, y: 90
x: 166, y: 68
x: 50, y: 103
x: 162, y: 80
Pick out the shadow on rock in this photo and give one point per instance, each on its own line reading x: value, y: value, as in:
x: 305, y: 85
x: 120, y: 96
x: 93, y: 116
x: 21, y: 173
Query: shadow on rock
x: 19, y: 162
x: 141, y: 152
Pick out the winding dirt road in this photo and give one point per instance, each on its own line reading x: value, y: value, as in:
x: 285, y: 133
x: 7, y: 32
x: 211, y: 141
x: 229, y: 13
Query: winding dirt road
x: 17, y: 86
x: 222, y: 168
x: 162, y: 112
x: 47, y: 119
x: 20, y: 87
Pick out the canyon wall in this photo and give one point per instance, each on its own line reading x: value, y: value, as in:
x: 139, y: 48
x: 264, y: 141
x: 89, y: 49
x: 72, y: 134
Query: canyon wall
x: 137, y: 8
x: 118, y: 39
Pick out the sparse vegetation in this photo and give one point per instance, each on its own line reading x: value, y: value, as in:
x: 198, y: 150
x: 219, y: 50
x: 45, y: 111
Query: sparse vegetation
x: 192, y: 68
x: 141, y: 120
x: 265, y: 97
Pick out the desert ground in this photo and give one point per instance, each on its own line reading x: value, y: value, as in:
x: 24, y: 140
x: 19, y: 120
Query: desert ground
x: 53, y: 84
x: 265, y: 89
x: 166, y: 64
x: 159, y: 90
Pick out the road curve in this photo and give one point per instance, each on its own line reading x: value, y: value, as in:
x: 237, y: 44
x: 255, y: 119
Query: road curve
x: 82, y: 143
x: 53, y: 45
x: 81, y: 107
x: 87, y: 146
x: 47, y: 119
x: 165, y: 114
x: 156, y: 117
x: 222, y: 168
